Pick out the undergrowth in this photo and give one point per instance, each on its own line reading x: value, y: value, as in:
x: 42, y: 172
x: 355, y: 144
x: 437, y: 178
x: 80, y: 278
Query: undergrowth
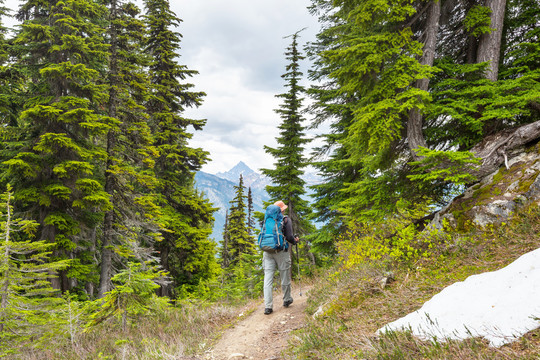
x: 177, y: 332
x: 357, y: 298
x: 346, y: 304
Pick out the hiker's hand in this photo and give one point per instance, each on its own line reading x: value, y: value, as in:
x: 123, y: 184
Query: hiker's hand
x: 297, y: 239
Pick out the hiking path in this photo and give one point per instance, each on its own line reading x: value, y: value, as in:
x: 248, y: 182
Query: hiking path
x: 259, y: 336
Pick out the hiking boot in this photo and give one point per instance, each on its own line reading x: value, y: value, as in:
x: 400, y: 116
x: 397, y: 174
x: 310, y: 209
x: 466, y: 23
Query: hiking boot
x: 268, y: 311
x: 287, y: 303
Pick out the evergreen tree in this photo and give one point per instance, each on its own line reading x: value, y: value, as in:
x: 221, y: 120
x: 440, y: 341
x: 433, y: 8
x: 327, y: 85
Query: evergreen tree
x: 186, y: 250
x: 239, y: 254
x: 290, y: 161
x: 53, y: 153
x: 27, y: 300
x: 133, y: 294
x: 3, y: 32
x: 336, y: 170
x: 406, y: 78
x: 240, y: 242
x: 224, y: 254
x: 10, y: 78
x: 250, y: 213
x: 333, y: 107
x: 130, y: 156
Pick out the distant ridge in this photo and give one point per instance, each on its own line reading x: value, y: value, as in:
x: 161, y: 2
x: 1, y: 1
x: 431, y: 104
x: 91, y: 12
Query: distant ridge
x: 239, y: 169
x: 251, y: 178
x: 219, y: 189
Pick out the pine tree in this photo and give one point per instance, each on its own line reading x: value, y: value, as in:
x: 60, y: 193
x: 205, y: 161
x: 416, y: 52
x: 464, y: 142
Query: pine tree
x: 130, y: 156
x: 336, y: 171
x: 250, y: 212
x: 3, y: 32
x: 9, y: 77
x: 12, y: 88
x: 24, y: 281
x: 240, y: 242
x: 54, y: 151
x: 333, y: 107
x: 290, y: 161
x: 239, y: 255
x: 132, y: 295
x: 402, y: 79
x: 224, y: 253
x: 186, y: 250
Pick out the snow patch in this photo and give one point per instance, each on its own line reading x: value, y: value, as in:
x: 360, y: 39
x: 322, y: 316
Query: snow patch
x: 499, y: 306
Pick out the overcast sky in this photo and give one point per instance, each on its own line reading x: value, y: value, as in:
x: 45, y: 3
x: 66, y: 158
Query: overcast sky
x: 238, y: 48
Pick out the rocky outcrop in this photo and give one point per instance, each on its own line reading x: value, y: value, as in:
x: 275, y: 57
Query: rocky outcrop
x: 497, y: 196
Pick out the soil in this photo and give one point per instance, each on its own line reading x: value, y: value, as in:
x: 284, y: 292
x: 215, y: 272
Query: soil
x: 259, y: 336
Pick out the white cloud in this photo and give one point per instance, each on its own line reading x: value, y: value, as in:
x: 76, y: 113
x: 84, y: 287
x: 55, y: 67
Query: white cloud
x: 238, y: 48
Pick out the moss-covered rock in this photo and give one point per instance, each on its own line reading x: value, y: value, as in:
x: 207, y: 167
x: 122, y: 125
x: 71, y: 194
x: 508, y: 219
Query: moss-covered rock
x: 495, y: 198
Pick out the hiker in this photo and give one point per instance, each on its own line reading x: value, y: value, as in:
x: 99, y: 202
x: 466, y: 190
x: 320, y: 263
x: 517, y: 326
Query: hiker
x: 277, y: 228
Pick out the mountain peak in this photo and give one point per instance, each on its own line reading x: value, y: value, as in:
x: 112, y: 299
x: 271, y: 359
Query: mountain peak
x: 251, y: 178
x: 239, y: 169
x: 242, y: 167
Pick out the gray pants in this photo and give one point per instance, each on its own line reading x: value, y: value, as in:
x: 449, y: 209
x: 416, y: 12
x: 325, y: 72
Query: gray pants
x: 281, y: 261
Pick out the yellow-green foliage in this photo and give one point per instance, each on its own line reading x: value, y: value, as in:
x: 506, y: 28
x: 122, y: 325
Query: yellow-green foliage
x: 394, y: 239
x: 393, y: 243
x: 477, y: 21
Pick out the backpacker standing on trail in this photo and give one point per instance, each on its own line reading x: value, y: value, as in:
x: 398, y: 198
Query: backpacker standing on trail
x: 276, y: 228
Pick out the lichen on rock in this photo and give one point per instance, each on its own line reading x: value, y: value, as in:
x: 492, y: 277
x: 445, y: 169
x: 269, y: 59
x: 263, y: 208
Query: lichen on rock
x: 497, y: 196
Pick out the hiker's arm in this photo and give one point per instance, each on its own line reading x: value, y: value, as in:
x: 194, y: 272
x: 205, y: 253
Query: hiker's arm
x: 288, y: 233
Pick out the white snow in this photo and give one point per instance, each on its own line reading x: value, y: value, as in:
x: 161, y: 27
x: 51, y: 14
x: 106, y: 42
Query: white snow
x: 500, y: 306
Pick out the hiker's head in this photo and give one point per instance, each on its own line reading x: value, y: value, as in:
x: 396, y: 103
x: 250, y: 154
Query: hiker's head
x: 281, y: 205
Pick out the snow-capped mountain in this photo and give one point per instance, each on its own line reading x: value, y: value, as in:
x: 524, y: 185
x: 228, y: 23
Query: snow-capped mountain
x: 219, y: 189
x: 251, y: 178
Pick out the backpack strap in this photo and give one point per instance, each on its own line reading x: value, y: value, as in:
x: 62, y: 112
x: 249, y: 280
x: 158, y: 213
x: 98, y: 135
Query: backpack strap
x: 277, y: 231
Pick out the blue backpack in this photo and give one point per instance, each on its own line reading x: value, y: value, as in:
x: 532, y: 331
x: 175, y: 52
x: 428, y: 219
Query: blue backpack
x: 271, y: 237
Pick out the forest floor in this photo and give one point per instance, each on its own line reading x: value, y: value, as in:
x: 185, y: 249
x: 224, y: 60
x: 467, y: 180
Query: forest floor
x: 259, y: 336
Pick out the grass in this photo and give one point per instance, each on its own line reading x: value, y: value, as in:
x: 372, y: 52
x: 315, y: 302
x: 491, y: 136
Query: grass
x: 176, y: 333
x: 354, y: 305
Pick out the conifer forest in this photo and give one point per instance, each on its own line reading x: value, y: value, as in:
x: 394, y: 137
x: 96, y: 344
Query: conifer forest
x: 99, y: 208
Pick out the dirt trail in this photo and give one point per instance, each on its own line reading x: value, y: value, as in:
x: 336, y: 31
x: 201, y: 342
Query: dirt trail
x: 259, y: 336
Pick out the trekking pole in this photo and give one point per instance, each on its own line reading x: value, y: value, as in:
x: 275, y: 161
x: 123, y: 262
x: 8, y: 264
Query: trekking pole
x: 298, y: 262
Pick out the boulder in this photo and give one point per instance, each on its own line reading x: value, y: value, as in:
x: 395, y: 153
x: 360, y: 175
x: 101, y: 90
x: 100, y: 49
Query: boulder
x: 497, y: 196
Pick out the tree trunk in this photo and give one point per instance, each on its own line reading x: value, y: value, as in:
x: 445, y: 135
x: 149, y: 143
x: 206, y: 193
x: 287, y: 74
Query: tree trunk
x: 165, y: 289
x: 108, y: 222
x: 64, y: 281
x: 489, y: 47
x: 106, y: 256
x: 496, y: 149
x: 90, y: 286
x: 493, y: 150
x: 472, y: 48
x: 4, y: 301
x: 5, y: 265
x: 414, y: 125
x: 293, y: 217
